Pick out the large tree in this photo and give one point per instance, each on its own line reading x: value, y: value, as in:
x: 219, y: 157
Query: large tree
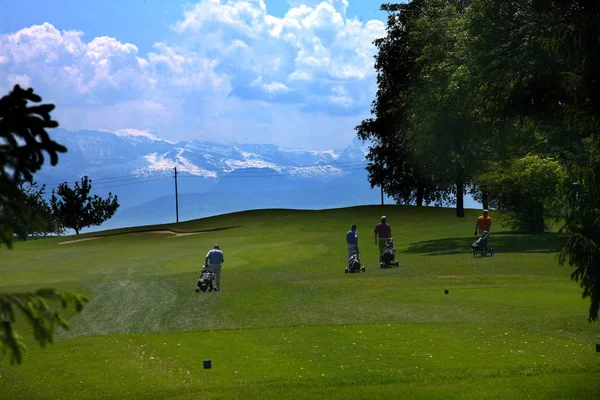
x: 23, y: 142
x: 529, y: 189
x: 396, y: 158
x: 428, y: 141
x: 39, y: 219
x: 576, y: 41
x: 466, y: 86
x: 447, y: 101
x: 77, y: 209
x: 539, y: 61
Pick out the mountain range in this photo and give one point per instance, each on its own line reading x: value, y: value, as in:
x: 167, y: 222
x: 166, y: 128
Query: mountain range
x: 212, y: 178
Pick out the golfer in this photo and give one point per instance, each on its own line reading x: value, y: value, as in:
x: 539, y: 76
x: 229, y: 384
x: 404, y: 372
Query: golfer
x: 484, y: 223
x: 384, y: 231
x: 352, y: 239
x: 214, y: 259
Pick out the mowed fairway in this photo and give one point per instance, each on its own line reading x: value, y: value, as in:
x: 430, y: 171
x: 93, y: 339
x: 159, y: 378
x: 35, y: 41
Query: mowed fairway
x: 290, y: 323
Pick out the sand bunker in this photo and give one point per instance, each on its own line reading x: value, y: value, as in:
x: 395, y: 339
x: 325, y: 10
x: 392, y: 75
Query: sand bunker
x: 79, y: 240
x: 164, y: 232
x: 176, y: 234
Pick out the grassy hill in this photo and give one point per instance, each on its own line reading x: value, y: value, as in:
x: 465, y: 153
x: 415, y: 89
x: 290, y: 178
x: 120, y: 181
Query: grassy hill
x: 290, y: 324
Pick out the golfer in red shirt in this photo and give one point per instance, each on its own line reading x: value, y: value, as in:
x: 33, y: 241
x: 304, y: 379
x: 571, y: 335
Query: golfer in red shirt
x: 384, y: 231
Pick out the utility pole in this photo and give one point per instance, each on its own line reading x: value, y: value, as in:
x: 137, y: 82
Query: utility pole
x: 176, y: 198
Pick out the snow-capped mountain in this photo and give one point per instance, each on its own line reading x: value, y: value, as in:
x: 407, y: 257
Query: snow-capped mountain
x: 138, y: 166
x: 143, y: 153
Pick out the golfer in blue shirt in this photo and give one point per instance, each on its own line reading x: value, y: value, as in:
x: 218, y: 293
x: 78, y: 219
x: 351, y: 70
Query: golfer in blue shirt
x: 352, y: 239
x: 214, y: 259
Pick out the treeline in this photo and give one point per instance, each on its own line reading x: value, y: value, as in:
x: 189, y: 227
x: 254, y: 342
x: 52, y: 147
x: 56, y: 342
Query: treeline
x: 68, y: 208
x: 498, y: 99
x: 24, y: 142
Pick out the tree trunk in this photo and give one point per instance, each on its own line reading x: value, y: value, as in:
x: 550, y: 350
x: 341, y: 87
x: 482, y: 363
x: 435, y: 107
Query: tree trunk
x: 76, y: 231
x: 485, y: 199
x: 460, y: 187
x: 537, y: 224
x: 420, y: 192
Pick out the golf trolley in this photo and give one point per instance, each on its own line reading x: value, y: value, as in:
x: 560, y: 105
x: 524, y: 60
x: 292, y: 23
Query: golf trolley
x: 354, y: 264
x: 206, y: 279
x: 388, y: 255
x: 480, y: 246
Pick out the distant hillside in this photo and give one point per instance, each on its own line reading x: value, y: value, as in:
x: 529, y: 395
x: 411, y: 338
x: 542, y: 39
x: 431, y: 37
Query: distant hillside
x: 213, y: 178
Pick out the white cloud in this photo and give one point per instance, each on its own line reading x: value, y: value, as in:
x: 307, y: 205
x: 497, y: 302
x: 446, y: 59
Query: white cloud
x: 131, y: 114
x: 42, y: 43
x: 298, y: 76
x: 322, y: 16
x: 275, y: 87
x: 63, y: 59
x: 148, y: 134
x: 244, y: 15
x: 103, y: 48
x: 318, y: 44
x: 256, y: 82
x: 23, y: 80
x: 233, y: 72
x: 339, y: 96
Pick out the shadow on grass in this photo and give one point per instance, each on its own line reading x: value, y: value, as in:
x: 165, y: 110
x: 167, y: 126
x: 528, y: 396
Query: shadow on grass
x: 505, y: 243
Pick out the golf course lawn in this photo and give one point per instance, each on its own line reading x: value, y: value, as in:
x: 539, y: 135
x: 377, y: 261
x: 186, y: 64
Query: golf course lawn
x: 289, y: 323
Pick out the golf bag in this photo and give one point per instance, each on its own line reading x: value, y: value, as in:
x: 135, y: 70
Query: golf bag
x: 388, y: 255
x: 480, y: 246
x: 354, y: 264
x: 206, y: 279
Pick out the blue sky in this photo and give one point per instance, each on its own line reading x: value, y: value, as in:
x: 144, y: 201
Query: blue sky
x: 289, y: 72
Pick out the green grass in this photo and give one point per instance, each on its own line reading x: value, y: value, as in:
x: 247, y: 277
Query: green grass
x: 290, y: 324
